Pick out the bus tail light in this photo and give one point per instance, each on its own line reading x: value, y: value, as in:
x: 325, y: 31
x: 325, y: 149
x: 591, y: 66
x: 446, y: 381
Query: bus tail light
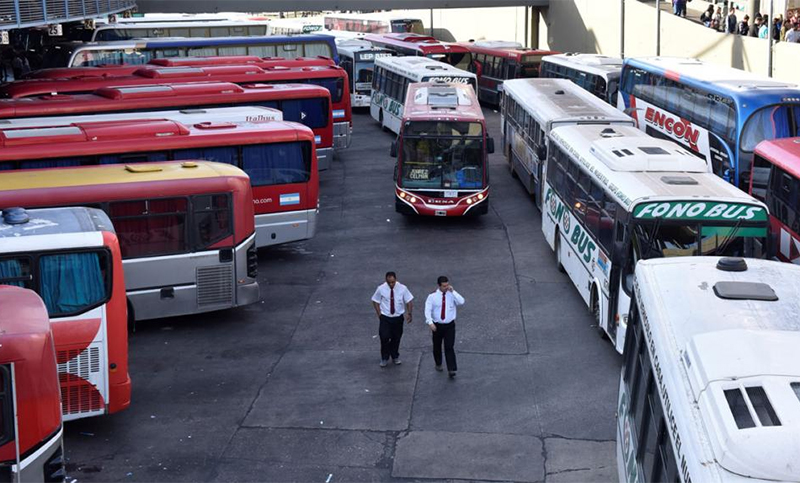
x: 252, y: 261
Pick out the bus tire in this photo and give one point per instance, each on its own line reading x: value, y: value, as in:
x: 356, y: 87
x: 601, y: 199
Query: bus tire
x: 558, y: 253
x: 595, y: 306
x: 131, y: 318
x: 380, y: 120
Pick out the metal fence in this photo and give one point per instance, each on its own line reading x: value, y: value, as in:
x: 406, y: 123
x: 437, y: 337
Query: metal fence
x: 31, y: 13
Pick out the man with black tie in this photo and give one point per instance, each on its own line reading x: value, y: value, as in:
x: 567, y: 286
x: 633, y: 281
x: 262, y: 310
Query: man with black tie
x: 440, y: 315
x: 391, y: 301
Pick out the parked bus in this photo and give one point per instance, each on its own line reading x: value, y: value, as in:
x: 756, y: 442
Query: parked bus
x: 598, y: 74
x: 150, y: 30
x: 307, y: 104
x: 709, y: 389
x: 31, y: 448
x: 391, y: 80
x: 776, y: 182
x: 614, y: 195
x: 330, y: 77
x: 278, y: 157
x: 531, y: 109
x: 420, y: 45
x: 80, y: 54
x: 373, y: 23
x: 495, y: 61
x: 186, y: 229
x: 71, y: 258
x: 295, y: 26
x: 442, y: 151
x: 718, y: 113
x: 357, y: 58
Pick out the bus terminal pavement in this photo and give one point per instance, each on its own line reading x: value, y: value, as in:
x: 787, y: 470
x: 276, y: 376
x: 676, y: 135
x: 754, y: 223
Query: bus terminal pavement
x: 289, y: 389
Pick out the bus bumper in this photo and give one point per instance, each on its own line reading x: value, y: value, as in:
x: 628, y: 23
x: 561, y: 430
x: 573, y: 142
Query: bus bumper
x: 411, y: 204
x: 342, y: 132
x: 277, y: 228
x: 360, y: 100
x: 44, y: 464
x: 324, y: 157
x: 247, y: 294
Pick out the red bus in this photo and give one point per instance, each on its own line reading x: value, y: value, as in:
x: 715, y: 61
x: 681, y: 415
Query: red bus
x: 442, y: 152
x: 186, y: 229
x: 496, y: 61
x: 71, y: 257
x: 31, y: 446
x: 332, y: 78
x: 775, y: 180
x: 118, y: 70
x: 303, y: 103
x: 278, y: 156
x: 409, y: 44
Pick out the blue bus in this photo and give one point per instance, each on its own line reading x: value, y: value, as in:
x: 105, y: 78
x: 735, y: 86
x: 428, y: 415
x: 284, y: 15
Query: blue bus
x: 141, y: 51
x: 718, y: 113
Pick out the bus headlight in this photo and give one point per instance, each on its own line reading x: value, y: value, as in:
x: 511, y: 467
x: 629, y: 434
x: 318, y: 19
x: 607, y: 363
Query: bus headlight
x: 412, y: 199
x: 469, y: 201
x: 402, y: 195
x: 480, y: 196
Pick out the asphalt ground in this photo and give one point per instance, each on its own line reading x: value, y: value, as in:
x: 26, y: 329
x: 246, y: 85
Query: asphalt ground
x: 289, y: 389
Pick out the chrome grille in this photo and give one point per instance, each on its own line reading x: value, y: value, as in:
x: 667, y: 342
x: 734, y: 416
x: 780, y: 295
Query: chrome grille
x: 215, y: 285
x: 78, y: 395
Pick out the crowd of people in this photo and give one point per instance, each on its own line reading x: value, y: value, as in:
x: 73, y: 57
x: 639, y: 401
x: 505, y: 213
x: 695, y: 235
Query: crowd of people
x: 781, y: 30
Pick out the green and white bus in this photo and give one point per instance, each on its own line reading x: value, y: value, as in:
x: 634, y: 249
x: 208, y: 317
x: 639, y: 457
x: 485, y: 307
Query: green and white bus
x: 531, y: 108
x: 709, y: 389
x: 614, y: 195
x: 390, y: 82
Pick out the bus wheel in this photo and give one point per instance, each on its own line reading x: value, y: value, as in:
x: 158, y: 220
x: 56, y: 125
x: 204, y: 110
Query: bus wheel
x: 380, y: 120
x: 596, y: 313
x: 558, y: 253
x: 131, y: 318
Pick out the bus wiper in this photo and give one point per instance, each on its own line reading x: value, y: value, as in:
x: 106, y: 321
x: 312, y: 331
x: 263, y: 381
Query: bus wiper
x: 727, y: 241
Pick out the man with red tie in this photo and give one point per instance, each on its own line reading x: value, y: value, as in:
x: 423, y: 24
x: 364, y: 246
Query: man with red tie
x: 392, y: 301
x: 440, y: 315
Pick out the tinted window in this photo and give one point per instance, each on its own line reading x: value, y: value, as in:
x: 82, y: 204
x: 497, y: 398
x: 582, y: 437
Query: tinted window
x: 212, y: 219
x: 151, y: 227
x: 71, y: 283
x: 334, y: 85
x: 311, y: 112
x: 278, y: 163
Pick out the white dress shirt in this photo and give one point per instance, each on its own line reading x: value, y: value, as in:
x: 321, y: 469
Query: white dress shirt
x: 433, y: 307
x: 383, y: 296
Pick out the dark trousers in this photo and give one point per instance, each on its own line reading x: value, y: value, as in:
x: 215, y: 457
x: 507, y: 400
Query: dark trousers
x: 445, y: 333
x: 390, y: 332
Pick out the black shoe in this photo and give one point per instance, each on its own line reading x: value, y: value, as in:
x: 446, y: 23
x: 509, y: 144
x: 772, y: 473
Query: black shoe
x: 439, y: 368
x: 452, y: 374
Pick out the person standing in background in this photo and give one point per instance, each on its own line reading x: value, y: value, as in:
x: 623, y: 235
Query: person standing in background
x: 440, y: 315
x: 392, y: 301
x: 793, y: 34
x: 731, y: 22
x: 679, y: 7
x: 763, y: 29
x: 756, y: 26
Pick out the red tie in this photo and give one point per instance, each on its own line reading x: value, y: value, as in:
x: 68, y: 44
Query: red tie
x: 444, y: 306
x: 391, y: 301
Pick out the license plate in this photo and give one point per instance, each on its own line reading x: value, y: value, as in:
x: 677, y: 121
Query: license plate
x: 451, y: 194
x: 440, y: 213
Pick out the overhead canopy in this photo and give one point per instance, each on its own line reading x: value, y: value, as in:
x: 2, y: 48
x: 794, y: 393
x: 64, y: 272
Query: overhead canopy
x: 202, y: 6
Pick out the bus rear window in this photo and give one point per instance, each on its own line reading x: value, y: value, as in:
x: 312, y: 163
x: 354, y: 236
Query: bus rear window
x: 276, y: 164
x: 71, y: 283
x: 150, y: 228
x: 213, y: 220
x: 335, y: 86
x: 311, y: 112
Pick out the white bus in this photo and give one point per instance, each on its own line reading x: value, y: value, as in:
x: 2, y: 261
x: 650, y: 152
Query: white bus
x: 613, y: 196
x: 709, y: 389
x: 357, y: 58
x: 530, y: 109
x: 598, y: 74
x: 221, y: 28
x: 373, y: 23
x: 392, y: 77
x: 295, y: 26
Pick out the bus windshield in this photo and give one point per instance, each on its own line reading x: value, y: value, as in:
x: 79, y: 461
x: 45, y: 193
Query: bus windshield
x: 413, y: 26
x: 57, y: 55
x: 530, y: 66
x: 772, y: 122
x: 443, y: 155
x: 669, y: 239
x: 363, y: 76
x: 461, y: 60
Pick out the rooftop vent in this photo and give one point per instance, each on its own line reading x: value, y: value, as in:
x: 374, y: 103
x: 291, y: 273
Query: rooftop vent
x: 559, y: 92
x: 762, y: 410
x: 679, y: 180
x: 15, y: 216
x: 655, y: 150
x: 609, y: 133
x: 732, y: 264
x: 745, y: 291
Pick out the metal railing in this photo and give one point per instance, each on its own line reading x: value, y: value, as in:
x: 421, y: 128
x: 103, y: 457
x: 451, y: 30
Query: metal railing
x: 31, y: 13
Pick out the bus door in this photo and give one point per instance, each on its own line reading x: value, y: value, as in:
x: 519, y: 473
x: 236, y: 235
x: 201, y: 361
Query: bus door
x: 620, y: 283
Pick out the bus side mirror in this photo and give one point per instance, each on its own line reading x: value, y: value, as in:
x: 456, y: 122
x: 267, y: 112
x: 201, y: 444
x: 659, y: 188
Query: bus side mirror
x: 490, y: 145
x: 396, y: 169
x: 541, y: 153
x: 393, y: 149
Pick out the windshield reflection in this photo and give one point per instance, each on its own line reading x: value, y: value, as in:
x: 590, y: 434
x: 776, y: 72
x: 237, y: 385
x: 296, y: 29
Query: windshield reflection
x: 452, y: 162
x: 656, y: 240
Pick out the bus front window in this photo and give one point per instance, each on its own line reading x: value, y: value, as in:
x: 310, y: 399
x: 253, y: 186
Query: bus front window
x: 668, y: 239
x: 363, y: 76
x: 440, y: 155
x: 57, y: 56
x: 773, y: 122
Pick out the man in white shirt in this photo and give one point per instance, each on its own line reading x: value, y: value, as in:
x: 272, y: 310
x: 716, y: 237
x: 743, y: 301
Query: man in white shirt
x: 440, y: 315
x: 392, y: 301
x: 793, y: 35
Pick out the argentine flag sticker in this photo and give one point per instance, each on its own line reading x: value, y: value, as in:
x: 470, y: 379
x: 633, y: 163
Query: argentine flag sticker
x: 290, y: 199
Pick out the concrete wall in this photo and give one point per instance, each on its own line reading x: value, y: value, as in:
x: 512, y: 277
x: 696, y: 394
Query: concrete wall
x: 498, y: 23
x: 594, y: 26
